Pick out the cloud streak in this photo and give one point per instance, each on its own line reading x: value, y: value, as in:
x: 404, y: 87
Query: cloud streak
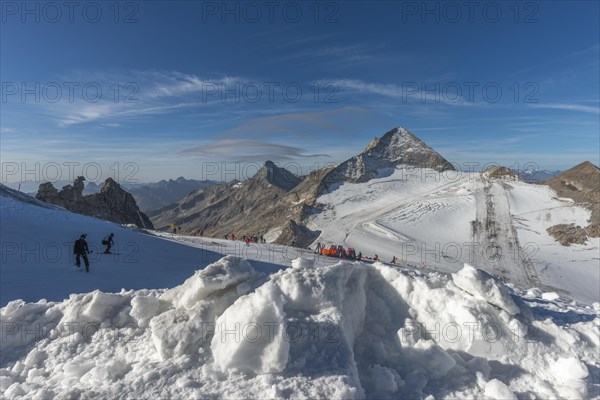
x: 568, y: 107
x: 249, y: 151
x: 407, y: 92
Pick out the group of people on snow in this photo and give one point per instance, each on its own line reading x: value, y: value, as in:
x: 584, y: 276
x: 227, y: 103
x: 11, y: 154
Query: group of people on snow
x: 338, y: 252
x: 349, y: 253
x: 81, y: 249
x: 245, y: 238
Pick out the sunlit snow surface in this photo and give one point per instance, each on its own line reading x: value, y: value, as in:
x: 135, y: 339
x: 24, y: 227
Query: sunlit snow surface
x: 425, y: 218
x: 262, y: 323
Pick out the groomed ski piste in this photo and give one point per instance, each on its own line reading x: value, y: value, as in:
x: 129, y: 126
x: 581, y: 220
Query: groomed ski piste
x: 192, y: 317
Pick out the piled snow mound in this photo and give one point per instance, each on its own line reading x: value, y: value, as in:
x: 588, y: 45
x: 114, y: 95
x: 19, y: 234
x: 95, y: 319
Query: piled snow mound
x: 349, y: 330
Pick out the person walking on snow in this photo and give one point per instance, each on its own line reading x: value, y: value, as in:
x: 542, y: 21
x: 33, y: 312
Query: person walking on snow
x: 319, y: 248
x: 81, y: 250
x: 108, y: 242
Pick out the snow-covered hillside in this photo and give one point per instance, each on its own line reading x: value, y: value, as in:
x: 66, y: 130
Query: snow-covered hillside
x: 185, y: 320
x: 37, y: 254
x: 425, y: 218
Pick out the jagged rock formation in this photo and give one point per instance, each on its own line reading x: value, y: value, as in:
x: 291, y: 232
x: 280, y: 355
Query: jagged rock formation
x: 6, y: 191
x: 394, y: 148
x: 582, y: 184
x: 112, y: 203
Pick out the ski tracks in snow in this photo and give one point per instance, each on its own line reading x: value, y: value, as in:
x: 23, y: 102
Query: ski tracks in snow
x: 494, y: 232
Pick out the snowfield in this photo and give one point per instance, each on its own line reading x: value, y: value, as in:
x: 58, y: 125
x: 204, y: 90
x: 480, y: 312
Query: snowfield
x: 193, y: 317
x: 425, y: 219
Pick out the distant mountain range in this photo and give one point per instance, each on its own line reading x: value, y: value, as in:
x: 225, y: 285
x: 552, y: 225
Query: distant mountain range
x: 538, y: 176
x: 152, y: 196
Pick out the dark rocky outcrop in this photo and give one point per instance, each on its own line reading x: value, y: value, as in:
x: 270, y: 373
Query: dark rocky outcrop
x: 568, y: 234
x: 111, y: 203
x: 297, y: 235
x: 582, y: 184
x: 500, y: 172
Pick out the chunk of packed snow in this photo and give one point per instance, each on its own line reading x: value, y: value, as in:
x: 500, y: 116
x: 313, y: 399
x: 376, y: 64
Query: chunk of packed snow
x: 144, y: 308
x: 550, y: 296
x: 437, y: 361
x: 483, y: 286
x: 568, y: 369
x: 226, y: 273
x: 250, y: 334
x: 496, y: 390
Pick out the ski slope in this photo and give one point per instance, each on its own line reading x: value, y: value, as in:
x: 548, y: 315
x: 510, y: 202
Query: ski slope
x: 426, y: 219
x: 38, y: 262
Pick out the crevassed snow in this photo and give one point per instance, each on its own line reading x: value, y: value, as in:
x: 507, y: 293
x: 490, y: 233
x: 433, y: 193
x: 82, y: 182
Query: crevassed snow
x: 425, y: 219
x: 576, y: 268
x: 348, y: 330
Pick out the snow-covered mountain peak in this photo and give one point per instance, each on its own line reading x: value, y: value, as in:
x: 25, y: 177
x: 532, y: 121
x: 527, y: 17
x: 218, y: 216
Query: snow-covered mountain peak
x: 393, y: 137
x: 401, y: 146
x: 396, y: 147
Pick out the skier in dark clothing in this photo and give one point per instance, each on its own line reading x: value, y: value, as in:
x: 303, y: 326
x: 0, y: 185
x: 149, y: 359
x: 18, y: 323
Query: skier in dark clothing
x: 108, y: 242
x: 81, y: 250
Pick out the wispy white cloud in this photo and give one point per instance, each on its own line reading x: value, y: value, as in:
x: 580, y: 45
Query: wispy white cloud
x: 140, y: 93
x: 407, y: 92
x: 348, y: 54
x: 567, y: 107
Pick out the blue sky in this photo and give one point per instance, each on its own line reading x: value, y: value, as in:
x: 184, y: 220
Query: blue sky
x: 301, y: 83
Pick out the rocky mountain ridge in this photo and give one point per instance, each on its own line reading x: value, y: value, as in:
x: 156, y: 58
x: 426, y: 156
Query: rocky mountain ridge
x: 111, y: 203
x: 276, y: 199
